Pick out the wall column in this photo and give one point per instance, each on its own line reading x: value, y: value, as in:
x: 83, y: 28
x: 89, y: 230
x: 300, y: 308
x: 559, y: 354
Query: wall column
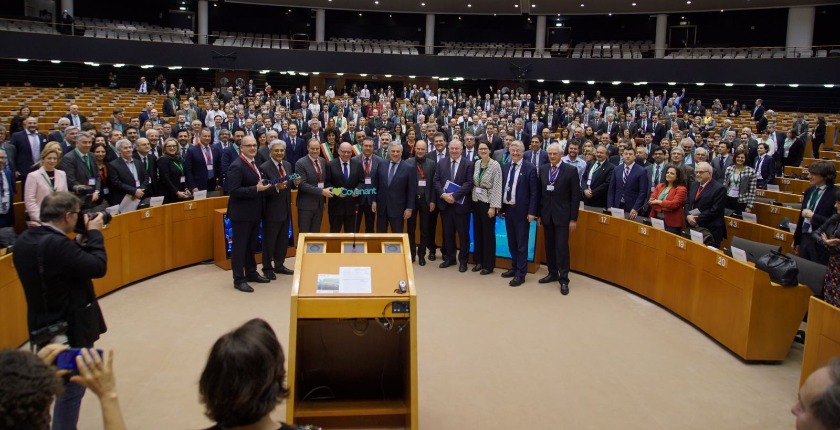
x: 320, y: 24
x: 661, y: 31
x: 540, y: 42
x: 800, y: 29
x: 202, y: 22
x: 430, y: 34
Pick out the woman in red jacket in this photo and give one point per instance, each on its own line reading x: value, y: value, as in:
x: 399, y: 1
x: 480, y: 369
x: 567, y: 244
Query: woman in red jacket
x: 668, y: 199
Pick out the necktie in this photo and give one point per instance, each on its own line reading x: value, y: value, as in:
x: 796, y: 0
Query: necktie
x: 626, y: 174
x: 453, y: 170
x: 346, y: 174
x: 699, y: 190
x: 391, y: 172
x: 257, y: 171
x: 4, y: 202
x: 35, y: 144
x: 534, y: 158
x: 85, y: 160
x: 509, y: 188
x: 656, y: 175
x: 145, y: 162
x: 469, y: 155
x: 440, y: 156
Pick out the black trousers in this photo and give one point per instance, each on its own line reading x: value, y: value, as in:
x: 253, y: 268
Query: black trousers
x: 815, y: 147
x: 484, y: 236
x: 456, y: 223
x: 242, y: 259
x: 557, y: 250
x: 275, y: 243
x: 342, y: 220
x: 433, y: 224
x: 366, y: 214
x: 421, y: 211
x: 809, y: 249
x: 517, y: 237
x: 383, y: 221
x: 309, y: 220
x: 732, y: 203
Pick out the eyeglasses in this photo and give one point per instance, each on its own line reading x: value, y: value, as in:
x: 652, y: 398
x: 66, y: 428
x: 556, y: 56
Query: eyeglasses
x: 248, y: 146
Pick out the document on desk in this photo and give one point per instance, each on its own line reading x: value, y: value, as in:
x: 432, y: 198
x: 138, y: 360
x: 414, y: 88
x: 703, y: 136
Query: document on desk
x: 327, y: 283
x: 451, y: 187
x: 354, y: 280
x: 129, y: 203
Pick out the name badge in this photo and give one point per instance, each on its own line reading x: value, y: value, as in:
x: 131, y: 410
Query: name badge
x: 421, y: 183
x: 105, y: 191
x: 209, y: 167
x: 320, y: 185
x: 92, y: 181
x: 549, y: 187
x: 367, y: 181
x: 479, y: 191
x: 183, y: 179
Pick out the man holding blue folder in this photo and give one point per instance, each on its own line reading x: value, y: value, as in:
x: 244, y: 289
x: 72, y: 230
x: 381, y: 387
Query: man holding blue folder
x: 453, y: 184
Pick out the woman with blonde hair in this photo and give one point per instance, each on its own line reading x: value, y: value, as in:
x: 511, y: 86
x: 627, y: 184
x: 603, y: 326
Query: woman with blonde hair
x: 44, y: 181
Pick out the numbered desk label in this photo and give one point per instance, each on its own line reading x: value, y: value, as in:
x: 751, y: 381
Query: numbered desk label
x: 147, y: 214
x: 779, y: 235
x: 604, y: 219
x: 785, y: 181
x: 760, y: 193
x: 721, y: 261
x: 774, y: 209
x: 680, y: 244
x: 189, y: 206
x: 643, y: 230
x: 733, y: 223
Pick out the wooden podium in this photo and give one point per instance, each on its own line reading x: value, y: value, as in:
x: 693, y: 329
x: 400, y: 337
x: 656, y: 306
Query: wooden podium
x: 352, y: 358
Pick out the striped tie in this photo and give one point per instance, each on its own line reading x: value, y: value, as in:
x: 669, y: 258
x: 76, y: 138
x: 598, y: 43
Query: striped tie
x: 626, y: 174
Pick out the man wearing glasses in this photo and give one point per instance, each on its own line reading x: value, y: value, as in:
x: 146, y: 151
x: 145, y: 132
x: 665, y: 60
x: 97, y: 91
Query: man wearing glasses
x: 706, y: 201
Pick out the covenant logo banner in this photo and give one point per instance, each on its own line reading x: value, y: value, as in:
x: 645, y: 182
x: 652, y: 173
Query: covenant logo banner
x: 348, y: 192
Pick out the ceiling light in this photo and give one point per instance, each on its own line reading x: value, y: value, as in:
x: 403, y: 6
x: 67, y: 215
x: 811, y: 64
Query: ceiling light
x: 362, y: 74
x: 182, y: 8
x: 590, y: 82
x: 316, y: 73
x: 147, y: 66
x: 283, y: 73
x: 339, y: 74
x: 700, y: 84
x: 581, y: 5
x: 559, y: 24
x: 459, y: 17
x: 93, y: 64
x: 728, y: 84
x: 688, y: 2
x: 828, y: 85
x: 388, y: 76
x: 118, y: 65
x: 376, y: 2
x: 643, y: 83
x: 721, y: 10
x: 175, y: 67
x: 205, y: 68
x: 422, y: 4
x: 793, y: 85
x: 616, y: 82
x: 565, y: 81
x: 291, y: 73
x: 533, y: 6
x: 23, y: 60
x: 540, y: 80
x: 469, y: 5
x: 412, y: 76
x: 303, y: 73
x: 672, y: 84
x: 634, y: 4
x: 444, y: 79
x: 610, y: 14
x: 637, y: 83
x: 435, y: 77
x: 360, y: 14
x: 760, y: 85
x: 55, y: 61
x: 262, y: 72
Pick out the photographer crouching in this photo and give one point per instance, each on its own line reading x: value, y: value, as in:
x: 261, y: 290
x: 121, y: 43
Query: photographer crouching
x: 56, y: 273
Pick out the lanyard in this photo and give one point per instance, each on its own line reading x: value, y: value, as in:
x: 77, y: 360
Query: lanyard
x: 420, y: 170
x: 317, y: 164
x: 553, y: 173
x: 815, y: 198
x: 179, y: 166
x: 87, y: 164
x: 49, y: 182
x: 595, y: 170
x: 481, y: 172
x: 252, y: 166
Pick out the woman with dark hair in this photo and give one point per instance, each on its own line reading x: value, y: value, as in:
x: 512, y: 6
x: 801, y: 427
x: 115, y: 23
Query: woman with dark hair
x: 668, y: 199
x: 244, y: 379
x: 818, y: 406
x: 740, y: 182
x: 399, y: 136
x: 487, y: 201
x: 793, y: 149
x: 17, y: 121
x: 734, y: 109
x: 818, y: 137
x: 171, y: 171
x: 331, y: 138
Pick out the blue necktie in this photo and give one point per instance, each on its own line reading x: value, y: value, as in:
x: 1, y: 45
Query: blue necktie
x: 391, y: 172
x: 510, y: 182
x: 346, y: 174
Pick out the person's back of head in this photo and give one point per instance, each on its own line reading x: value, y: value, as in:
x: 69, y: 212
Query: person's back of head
x: 244, y: 379
x: 818, y: 407
x: 27, y: 391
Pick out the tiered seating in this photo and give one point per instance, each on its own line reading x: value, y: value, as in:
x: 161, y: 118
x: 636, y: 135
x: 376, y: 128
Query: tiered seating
x: 250, y: 40
x: 625, y: 49
x: 370, y: 46
x: 26, y: 26
x: 132, y: 30
x: 492, y: 49
x: 740, y: 53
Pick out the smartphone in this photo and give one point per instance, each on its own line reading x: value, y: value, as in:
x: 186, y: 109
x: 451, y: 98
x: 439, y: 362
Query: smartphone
x: 66, y: 359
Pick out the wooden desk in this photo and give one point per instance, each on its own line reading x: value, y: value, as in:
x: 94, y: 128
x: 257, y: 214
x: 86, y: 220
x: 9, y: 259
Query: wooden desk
x: 732, y: 302
x: 340, y: 348
x: 822, y: 337
x: 795, y: 186
x: 771, y: 215
x: 779, y: 196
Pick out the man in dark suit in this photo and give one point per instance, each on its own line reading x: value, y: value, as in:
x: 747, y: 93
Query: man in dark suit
x: 649, y: 146
x: 628, y: 124
x: 559, y: 186
x: 758, y: 110
x: 706, y: 203
x: 370, y: 166
x: 817, y: 207
x: 721, y: 161
x: 149, y: 162
x: 657, y: 129
x: 644, y: 126
x: 656, y: 170
x: 629, y: 186
x: 536, y: 155
x: 765, y: 170
x: 245, y: 210
x: 203, y: 165
x: 396, y: 192
x: 425, y: 203
x: 534, y: 126
x: 68, y: 268
x: 80, y: 167
x: 519, y: 208
x: 595, y: 182
x: 126, y: 176
x: 7, y: 193
x: 28, y: 144
x: 277, y: 214
x: 455, y: 216
x: 76, y: 119
x: 312, y: 191
x: 347, y: 174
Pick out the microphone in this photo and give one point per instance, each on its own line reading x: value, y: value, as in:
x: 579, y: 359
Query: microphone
x: 355, y: 218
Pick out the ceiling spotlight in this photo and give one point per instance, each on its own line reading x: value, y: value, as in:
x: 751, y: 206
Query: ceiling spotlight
x: 291, y: 73
x: 729, y: 84
x: 205, y: 68
x: 303, y: 73
x: 422, y: 4
x: 828, y: 85
x: 700, y: 84
x: 540, y: 80
x: 688, y: 2
x: 376, y: 2
x: 59, y: 62
x: 316, y: 73
x: 435, y: 77
x: 559, y: 24
x: 760, y: 85
x: 793, y: 85
x: 533, y: 6
x: 283, y: 73
x: 590, y: 82
x: 634, y: 4
x: 672, y: 84
x: 263, y: 72
x: 339, y: 74
x: 616, y: 82
x: 118, y: 65
x: 182, y: 8
x: 363, y: 74
x: 609, y: 14
x: 643, y: 83
x: 581, y: 5
x: 411, y: 76
x: 175, y: 67
x: 147, y: 66
x: 388, y: 76
x: 23, y: 60
x: 565, y: 81
x: 360, y: 14
x: 459, y: 17
x: 469, y: 5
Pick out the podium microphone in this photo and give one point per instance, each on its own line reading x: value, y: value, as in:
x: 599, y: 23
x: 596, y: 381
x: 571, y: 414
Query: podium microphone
x: 355, y: 226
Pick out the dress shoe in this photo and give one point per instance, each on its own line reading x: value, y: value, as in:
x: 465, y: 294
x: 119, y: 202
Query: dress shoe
x: 549, y: 278
x: 413, y: 258
x: 445, y: 264
x: 462, y: 268
x: 517, y: 281
x: 476, y: 268
x: 256, y: 277
x: 432, y: 256
x: 244, y: 287
x: 564, y: 288
x: 509, y: 274
x: 486, y: 271
x: 284, y: 271
x: 269, y: 274
x: 422, y: 260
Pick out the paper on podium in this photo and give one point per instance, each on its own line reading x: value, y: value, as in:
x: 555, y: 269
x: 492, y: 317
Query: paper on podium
x: 657, y: 223
x: 327, y: 284
x: 451, y: 187
x: 738, y: 254
x: 696, y: 236
x: 128, y: 204
x: 155, y: 201
x: 200, y: 195
x: 617, y: 212
x: 354, y: 280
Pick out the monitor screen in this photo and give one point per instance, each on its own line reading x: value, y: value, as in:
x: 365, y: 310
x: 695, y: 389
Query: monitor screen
x: 226, y: 224
x: 502, y: 250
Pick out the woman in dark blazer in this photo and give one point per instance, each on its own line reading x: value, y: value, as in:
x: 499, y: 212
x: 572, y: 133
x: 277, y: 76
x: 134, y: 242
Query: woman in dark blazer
x: 668, y: 199
x: 818, y: 138
x: 792, y: 150
x: 170, y: 172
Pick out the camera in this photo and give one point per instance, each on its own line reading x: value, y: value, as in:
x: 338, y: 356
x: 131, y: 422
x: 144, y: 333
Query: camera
x: 81, y: 227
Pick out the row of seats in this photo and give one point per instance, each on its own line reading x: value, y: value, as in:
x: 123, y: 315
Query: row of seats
x: 491, y: 49
x: 765, y: 53
x: 26, y: 26
x: 613, y: 49
x: 132, y: 30
x: 250, y: 40
x: 367, y: 46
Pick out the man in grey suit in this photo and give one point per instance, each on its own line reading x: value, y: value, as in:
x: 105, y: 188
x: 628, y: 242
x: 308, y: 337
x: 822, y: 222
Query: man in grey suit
x: 277, y: 212
x: 81, y: 169
x: 312, y: 193
x: 425, y: 202
x: 503, y: 155
x: 396, y: 190
x: 370, y: 165
x: 438, y: 154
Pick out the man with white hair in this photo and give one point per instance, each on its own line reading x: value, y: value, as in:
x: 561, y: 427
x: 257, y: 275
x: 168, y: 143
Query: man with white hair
x: 706, y: 203
x: 76, y: 119
x: 126, y: 176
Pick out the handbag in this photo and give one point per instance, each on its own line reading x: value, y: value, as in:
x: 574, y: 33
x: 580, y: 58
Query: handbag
x: 781, y: 268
